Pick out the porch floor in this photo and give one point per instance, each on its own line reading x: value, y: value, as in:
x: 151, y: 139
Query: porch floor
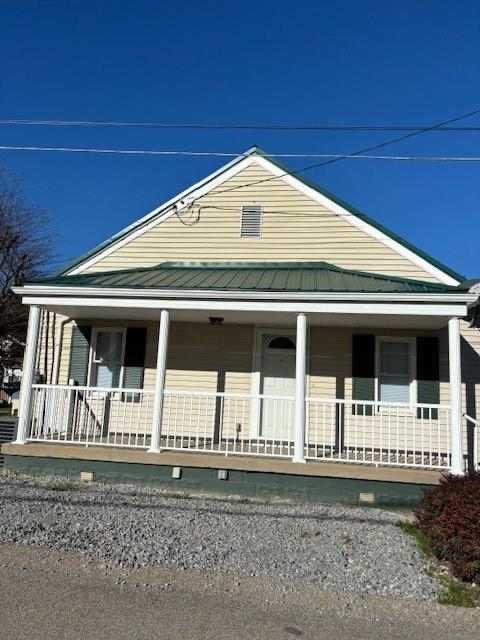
x: 209, y: 460
x: 260, y: 447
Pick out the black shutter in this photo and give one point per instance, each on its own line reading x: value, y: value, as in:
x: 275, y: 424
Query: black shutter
x: 363, y: 372
x: 428, y: 375
x: 79, y: 353
x: 134, y: 361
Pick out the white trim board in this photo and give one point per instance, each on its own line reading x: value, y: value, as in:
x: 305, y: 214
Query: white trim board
x: 212, y: 294
x: 445, y: 310
x: 215, y: 179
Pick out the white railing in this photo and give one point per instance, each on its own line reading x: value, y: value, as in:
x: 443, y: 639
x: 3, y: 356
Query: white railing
x: 234, y: 424
x: 228, y: 423
x: 476, y: 427
x: 378, y: 433
x: 91, y: 415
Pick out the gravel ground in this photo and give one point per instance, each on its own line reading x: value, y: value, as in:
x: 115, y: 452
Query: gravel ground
x: 333, y: 547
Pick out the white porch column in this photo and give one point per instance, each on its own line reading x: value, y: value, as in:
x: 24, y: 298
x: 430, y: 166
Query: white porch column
x: 300, y: 388
x: 28, y: 374
x: 160, y: 380
x: 456, y: 434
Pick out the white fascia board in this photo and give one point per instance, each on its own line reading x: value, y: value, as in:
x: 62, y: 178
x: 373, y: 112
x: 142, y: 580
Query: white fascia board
x: 167, y: 209
x: 357, y: 222
x: 197, y: 294
x: 446, y: 310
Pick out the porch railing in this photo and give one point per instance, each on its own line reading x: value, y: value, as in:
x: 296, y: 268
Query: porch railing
x: 476, y: 426
x: 378, y: 433
x: 91, y: 415
x: 228, y: 423
x: 234, y: 424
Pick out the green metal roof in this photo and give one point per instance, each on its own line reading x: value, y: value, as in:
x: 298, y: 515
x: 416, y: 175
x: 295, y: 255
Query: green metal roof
x: 256, y: 150
x: 249, y: 276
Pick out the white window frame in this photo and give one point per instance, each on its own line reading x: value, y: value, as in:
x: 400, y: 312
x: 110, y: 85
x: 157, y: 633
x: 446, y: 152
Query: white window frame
x: 253, y: 204
x: 93, y: 348
x: 412, y: 366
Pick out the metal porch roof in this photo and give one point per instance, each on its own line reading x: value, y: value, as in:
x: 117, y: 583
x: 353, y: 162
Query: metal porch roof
x: 249, y: 276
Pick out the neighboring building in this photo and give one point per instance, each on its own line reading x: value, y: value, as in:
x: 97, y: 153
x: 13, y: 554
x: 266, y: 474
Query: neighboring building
x: 9, y: 387
x: 14, y: 403
x: 250, y: 324
x: 12, y: 377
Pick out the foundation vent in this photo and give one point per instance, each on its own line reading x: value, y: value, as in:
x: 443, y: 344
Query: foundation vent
x: 86, y: 476
x: 366, y: 497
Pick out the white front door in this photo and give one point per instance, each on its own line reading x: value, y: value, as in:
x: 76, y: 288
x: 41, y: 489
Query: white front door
x: 277, y: 379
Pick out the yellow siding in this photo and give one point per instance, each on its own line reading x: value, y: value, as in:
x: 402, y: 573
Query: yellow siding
x: 50, y: 333
x: 295, y: 228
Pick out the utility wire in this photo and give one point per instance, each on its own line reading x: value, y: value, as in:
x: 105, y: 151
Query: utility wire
x: 355, y: 153
x: 228, y: 154
x: 208, y: 126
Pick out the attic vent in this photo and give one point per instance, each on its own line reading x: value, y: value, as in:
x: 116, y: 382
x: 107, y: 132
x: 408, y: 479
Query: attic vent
x: 251, y: 226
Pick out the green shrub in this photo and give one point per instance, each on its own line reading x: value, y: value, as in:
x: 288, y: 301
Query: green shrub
x: 449, y: 516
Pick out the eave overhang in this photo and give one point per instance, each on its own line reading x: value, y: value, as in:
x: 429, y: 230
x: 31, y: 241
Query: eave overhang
x: 425, y: 304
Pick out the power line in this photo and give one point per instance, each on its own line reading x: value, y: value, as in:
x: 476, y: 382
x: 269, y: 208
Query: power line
x: 223, y: 126
x: 228, y: 154
x: 354, y: 154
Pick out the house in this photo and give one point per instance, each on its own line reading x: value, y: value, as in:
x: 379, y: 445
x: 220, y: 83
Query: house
x: 253, y: 334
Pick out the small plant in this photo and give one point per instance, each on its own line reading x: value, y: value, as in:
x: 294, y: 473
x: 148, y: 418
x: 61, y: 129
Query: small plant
x: 63, y: 485
x: 305, y: 535
x: 449, y: 518
x: 10, y: 473
x: 411, y: 529
x: 459, y: 594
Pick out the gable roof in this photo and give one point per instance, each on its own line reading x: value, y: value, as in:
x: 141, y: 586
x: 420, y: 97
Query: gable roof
x: 373, y: 223
x: 359, y: 219
x: 249, y: 276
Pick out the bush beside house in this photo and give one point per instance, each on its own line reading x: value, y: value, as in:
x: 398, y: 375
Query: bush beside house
x: 449, y: 517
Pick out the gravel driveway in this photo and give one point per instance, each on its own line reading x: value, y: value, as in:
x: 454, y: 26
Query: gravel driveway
x: 335, y: 548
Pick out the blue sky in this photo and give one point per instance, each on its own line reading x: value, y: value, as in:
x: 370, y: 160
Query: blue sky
x: 343, y: 62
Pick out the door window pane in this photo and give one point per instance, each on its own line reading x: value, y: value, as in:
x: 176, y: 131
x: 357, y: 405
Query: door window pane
x: 108, y: 359
x: 109, y: 346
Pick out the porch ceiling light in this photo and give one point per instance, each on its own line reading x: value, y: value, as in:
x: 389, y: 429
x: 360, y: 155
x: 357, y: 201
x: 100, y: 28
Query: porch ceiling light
x: 215, y: 320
